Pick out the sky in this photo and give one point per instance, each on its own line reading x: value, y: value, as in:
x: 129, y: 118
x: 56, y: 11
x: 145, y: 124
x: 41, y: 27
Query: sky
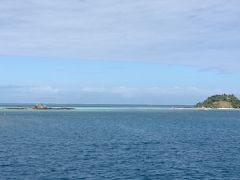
x: 118, y: 51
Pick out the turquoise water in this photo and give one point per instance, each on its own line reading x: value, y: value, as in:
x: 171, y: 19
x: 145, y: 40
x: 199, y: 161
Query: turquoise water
x: 120, y: 144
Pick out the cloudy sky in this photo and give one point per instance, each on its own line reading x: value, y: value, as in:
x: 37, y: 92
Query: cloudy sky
x: 118, y: 51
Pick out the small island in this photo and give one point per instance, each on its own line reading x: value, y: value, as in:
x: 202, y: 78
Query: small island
x: 220, y: 101
x: 45, y: 107
x: 37, y: 107
x: 40, y: 106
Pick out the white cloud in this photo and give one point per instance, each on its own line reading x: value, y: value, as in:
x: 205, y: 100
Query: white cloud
x: 107, y: 95
x: 189, y: 32
x: 29, y: 94
x: 29, y: 89
x: 147, y: 91
x: 42, y: 89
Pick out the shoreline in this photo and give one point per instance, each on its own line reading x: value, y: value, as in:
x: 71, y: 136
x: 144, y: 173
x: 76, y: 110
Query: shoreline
x: 97, y: 108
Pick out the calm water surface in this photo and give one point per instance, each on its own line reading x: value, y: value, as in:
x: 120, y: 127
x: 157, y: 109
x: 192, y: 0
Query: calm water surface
x: 136, y: 144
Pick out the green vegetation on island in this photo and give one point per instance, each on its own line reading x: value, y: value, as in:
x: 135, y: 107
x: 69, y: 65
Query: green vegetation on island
x: 220, y: 101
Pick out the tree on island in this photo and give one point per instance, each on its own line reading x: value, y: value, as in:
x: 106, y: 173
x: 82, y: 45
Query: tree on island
x: 220, y: 101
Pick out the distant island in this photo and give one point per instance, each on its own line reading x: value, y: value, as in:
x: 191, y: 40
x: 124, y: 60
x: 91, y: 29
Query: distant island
x: 45, y: 107
x: 220, y: 101
x: 39, y: 107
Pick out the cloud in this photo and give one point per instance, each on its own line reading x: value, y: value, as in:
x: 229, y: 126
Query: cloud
x: 29, y: 89
x: 141, y: 91
x: 43, y: 89
x: 106, y: 95
x: 29, y: 94
x: 190, y: 32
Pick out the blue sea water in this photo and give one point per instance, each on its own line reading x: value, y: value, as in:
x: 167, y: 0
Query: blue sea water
x: 120, y: 144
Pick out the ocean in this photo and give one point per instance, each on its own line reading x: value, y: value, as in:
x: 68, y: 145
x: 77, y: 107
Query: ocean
x: 120, y: 142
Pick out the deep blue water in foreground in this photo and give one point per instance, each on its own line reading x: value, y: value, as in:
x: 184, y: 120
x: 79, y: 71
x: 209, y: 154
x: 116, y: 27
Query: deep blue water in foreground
x: 133, y: 144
